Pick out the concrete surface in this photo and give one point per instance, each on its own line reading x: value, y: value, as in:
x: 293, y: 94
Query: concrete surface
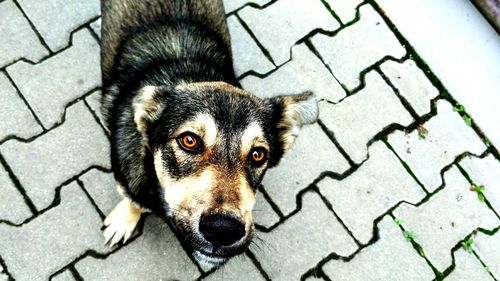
x: 389, y: 185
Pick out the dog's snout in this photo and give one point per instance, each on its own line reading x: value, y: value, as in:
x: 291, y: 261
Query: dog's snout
x: 221, y: 230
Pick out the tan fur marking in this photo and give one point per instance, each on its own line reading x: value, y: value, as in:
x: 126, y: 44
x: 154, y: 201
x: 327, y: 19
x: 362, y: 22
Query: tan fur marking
x: 253, y: 136
x: 145, y: 107
x: 202, y: 125
x: 214, y: 85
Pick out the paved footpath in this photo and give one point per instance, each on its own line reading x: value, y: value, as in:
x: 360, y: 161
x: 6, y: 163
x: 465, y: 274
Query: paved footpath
x: 395, y: 182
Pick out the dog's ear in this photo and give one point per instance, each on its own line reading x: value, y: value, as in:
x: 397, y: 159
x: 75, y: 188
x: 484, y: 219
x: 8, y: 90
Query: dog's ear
x: 289, y: 114
x: 148, y: 105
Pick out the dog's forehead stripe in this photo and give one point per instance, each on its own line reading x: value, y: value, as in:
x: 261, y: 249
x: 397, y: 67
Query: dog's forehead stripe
x: 204, y: 125
x: 253, y: 135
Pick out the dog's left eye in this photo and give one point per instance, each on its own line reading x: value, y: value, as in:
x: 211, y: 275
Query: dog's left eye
x: 190, y: 142
x: 258, y: 156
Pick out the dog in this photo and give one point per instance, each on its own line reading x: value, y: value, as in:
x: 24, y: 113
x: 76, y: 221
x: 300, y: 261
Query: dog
x: 187, y: 143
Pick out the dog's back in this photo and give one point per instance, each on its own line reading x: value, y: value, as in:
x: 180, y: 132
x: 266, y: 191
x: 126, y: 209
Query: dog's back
x: 125, y: 20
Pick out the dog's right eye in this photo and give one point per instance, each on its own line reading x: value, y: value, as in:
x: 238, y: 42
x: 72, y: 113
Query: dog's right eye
x: 190, y: 142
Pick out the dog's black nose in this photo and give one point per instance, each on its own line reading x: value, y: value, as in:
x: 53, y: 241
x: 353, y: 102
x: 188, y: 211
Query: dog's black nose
x: 221, y: 230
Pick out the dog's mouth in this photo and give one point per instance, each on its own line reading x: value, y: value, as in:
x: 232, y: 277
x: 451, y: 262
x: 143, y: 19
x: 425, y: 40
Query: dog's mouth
x: 209, y: 259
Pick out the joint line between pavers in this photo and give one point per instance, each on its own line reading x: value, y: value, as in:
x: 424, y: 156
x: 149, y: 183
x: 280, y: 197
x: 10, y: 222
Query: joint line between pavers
x: 406, y: 166
x: 268, y: 198
x: 38, y: 121
x: 57, y: 193
x: 332, y: 12
x: 75, y: 273
x: 396, y: 91
x: 252, y: 35
x: 58, y: 123
x: 42, y: 41
x: 19, y: 186
x: 5, y: 269
x: 253, y: 5
x: 257, y: 264
x: 96, y: 118
x: 329, y: 206
x: 418, y: 248
x: 82, y: 186
x: 331, y: 136
x: 471, y: 182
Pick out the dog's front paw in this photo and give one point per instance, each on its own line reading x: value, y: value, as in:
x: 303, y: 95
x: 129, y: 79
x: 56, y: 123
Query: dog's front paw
x: 121, y: 222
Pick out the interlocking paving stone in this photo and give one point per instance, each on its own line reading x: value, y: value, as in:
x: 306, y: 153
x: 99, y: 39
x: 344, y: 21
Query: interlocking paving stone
x: 390, y: 258
x: 231, y: 5
x: 304, y: 72
x: 488, y: 249
x: 50, y: 85
x: 13, y: 208
x: 18, y: 39
x: 447, y: 137
x: 96, y: 27
x: 379, y: 184
x: 467, y: 267
x: 345, y: 9
x: 448, y: 217
x: 485, y: 172
x: 15, y: 117
x: 263, y: 212
x: 53, y: 239
x: 298, y: 245
x: 301, y: 166
x: 358, y: 46
x: 64, y: 276
x: 239, y: 268
x: 156, y: 254
x: 102, y: 188
x: 280, y: 25
x: 54, y: 157
x: 358, y: 118
x: 56, y: 19
x: 246, y: 53
x: 412, y: 84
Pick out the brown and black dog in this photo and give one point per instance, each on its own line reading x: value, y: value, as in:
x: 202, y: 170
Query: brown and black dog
x: 187, y: 142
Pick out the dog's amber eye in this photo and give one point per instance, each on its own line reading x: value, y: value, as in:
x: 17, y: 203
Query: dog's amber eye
x: 258, y: 156
x: 189, y: 142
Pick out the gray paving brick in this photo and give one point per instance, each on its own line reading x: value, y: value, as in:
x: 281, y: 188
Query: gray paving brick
x: 311, y: 154
x: 63, y: 152
x: 22, y: 41
x: 96, y: 27
x: 412, y: 84
x: 379, y: 184
x: 280, y: 25
x: 246, y: 53
x: 239, y: 268
x: 485, y: 172
x: 345, y: 9
x: 64, y: 276
x: 56, y: 19
x: 358, y: 46
x: 156, y: 254
x: 447, y: 137
x: 13, y: 207
x: 391, y: 258
x: 102, y: 188
x: 358, y: 118
x: 467, y: 267
x: 488, y: 249
x: 302, y: 242
x: 304, y: 72
x: 15, y: 117
x: 448, y: 217
x: 50, y: 85
x: 53, y: 239
x: 263, y: 212
x: 231, y: 5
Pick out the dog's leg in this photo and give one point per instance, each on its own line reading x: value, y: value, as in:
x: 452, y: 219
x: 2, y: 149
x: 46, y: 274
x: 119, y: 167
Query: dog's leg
x: 121, y: 222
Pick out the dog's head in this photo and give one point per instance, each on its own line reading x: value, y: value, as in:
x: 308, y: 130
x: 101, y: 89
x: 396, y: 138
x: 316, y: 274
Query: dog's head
x: 212, y: 144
